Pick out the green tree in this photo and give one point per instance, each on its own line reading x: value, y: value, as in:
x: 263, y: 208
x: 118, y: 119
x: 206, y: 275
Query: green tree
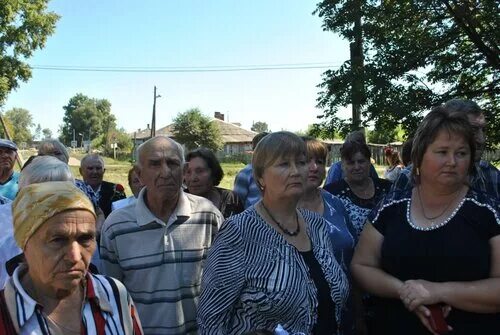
x: 87, y: 116
x: 194, y: 130
x: 417, y: 54
x: 21, y: 121
x: 38, y: 132
x: 24, y: 28
x: 260, y: 127
x: 47, y: 133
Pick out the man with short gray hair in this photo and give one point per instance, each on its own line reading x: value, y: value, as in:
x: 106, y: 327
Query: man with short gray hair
x: 92, y: 171
x: 157, y: 245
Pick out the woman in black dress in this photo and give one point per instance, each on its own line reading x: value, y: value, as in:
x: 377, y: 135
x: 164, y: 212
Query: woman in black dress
x: 434, y: 250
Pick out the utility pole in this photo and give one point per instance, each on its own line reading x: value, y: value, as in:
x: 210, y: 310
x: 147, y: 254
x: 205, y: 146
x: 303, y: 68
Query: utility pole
x: 357, y: 63
x: 153, y: 121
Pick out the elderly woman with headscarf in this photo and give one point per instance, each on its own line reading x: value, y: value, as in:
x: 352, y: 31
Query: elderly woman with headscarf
x: 40, y: 170
x: 53, y: 291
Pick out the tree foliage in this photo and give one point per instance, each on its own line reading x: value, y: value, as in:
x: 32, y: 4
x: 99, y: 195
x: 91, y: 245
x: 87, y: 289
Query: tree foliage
x: 89, y: 117
x: 417, y: 54
x: 19, y: 121
x: 194, y: 130
x: 260, y: 127
x: 47, y: 133
x: 24, y: 28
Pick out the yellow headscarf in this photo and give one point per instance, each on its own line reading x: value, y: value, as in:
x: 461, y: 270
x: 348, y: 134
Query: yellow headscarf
x: 36, y: 203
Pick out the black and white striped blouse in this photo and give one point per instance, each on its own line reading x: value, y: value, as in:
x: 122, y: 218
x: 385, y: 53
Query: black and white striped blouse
x: 254, y: 279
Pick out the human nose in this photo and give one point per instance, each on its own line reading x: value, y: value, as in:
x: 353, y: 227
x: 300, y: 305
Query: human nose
x: 74, y: 252
x: 452, y: 159
x: 313, y: 166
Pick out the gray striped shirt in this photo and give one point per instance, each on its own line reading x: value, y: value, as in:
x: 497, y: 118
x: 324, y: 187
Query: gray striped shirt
x: 159, y: 262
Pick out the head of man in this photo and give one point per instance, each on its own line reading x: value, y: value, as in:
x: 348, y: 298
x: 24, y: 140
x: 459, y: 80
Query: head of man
x: 476, y: 118
x: 92, y: 170
x: 58, y: 237
x: 160, y: 167
x: 8, y: 154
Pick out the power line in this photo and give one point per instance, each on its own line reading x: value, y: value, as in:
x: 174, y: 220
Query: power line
x: 223, y: 68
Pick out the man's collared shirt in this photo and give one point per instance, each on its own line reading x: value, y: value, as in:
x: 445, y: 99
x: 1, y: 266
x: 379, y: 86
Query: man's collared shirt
x: 10, y: 187
x: 160, y: 262
x: 105, y: 299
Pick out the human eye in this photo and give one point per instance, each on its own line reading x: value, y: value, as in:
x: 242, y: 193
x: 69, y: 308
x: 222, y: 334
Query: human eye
x: 86, y: 239
x: 57, y: 240
x: 154, y: 162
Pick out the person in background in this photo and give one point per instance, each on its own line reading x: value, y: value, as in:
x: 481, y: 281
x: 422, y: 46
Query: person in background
x: 202, y: 175
x: 41, y: 169
x: 435, y: 247
x: 406, y: 153
x: 92, y: 171
x: 335, y: 172
x: 485, y: 177
x: 244, y: 184
x: 157, y: 247
x: 8, y: 177
x: 341, y: 230
x: 395, y: 165
x: 274, y: 263
x: 358, y: 191
x: 54, y: 148
x: 53, y: 287
x: 135, y: 186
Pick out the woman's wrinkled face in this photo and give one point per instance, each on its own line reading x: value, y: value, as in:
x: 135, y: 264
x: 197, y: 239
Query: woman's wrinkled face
x: 356, y: 168
x: 446, y: 161
x: 58, y: 254
x: 198, y: 177
x: 285, y: 178
x: 316, y: 172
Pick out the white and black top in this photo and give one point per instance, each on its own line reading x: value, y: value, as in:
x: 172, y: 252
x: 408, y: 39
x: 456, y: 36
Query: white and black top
x: 254, y: 279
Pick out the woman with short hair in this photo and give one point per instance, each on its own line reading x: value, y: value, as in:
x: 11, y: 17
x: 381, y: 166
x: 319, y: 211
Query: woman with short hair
x: 431, y: 253
x: 274, y: 264
x: 53, y: 288
x: 203, y: 174
x: 357, y: 190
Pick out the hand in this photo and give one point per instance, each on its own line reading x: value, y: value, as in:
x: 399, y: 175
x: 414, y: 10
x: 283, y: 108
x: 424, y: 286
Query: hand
x: 415, y: 293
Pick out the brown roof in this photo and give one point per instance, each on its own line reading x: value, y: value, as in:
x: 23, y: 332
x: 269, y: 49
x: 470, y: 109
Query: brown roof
x: 230, y: 132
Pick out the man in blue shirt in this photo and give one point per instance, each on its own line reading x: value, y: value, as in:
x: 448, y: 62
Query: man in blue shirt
x: 8, y: 178
x: 244, y: 184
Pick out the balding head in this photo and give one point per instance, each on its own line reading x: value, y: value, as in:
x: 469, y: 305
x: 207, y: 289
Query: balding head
x: 158, y: 141
x: 160, y: 167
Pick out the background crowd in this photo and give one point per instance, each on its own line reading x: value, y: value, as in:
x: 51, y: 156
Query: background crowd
x: 285, y: 251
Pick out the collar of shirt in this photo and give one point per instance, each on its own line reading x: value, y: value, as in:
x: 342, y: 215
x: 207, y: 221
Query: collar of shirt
x: 144, y: 215
x: 27, y: 305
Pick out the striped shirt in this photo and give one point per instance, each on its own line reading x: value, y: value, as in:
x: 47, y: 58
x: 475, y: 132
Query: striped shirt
x: 107, y: 308
x: 246, y: 188
x: 254, y: 279
x: 159, y: 262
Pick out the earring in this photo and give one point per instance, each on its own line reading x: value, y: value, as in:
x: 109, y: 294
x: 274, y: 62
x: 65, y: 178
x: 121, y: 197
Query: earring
x: 418, y: 172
